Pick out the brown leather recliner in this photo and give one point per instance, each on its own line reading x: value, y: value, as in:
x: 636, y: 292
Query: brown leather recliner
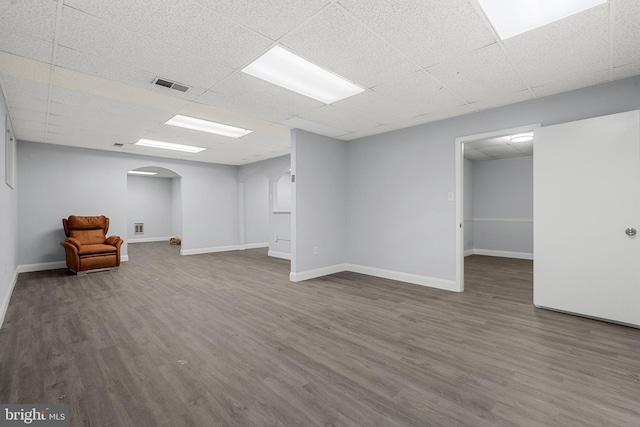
x: 87, y: 246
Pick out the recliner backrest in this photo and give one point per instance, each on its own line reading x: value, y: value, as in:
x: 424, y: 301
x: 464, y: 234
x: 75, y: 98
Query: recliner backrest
x: 88, y: 230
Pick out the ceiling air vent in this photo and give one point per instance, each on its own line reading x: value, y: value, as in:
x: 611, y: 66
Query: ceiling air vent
x: 171, y: 85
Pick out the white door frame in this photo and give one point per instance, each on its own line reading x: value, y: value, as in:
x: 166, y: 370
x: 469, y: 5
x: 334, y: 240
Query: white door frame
x: 459, y: 170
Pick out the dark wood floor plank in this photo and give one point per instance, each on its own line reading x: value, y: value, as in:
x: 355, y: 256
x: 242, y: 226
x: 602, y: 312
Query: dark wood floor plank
x: 226, y: 340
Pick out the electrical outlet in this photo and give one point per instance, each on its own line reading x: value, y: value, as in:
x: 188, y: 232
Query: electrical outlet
x: 315, y: 250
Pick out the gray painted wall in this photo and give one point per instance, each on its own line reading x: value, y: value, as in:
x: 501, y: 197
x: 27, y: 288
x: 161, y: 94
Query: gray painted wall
x: 503, y: 190
x: 279, y: 223
x: 256, y: 205
x: 397, y: 212
x: 8, y: 223
x: 319, y: 200
x: 176, y: 207
x: 58, y: 181
x: 150, y: 201
x: 468, y: 204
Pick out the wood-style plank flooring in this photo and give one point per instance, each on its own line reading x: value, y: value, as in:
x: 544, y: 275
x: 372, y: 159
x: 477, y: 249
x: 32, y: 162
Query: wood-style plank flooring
x: 226, y: 340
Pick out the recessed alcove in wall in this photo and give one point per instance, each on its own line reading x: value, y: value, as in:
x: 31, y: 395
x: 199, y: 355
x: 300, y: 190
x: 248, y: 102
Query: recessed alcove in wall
x: 153, y: 200
x: 254, y: 211
x: 282, y: 194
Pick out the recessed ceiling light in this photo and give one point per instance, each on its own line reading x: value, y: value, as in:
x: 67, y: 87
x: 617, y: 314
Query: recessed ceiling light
x: 283, y: 68
x: 510, y: 18
x: 142, y: 173
x: 207, y: 126
x: 169, y: 146
x: 522, y: 137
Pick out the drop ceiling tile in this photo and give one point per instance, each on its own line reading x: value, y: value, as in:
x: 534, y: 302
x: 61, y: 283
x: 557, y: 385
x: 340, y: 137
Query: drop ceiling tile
x: 484, y: 143
x: 27, y: 46
x: 28, y: 115
x: 420, y: 92
x: 446, y: 114
x: 376, y: 107
x: 336, y: 41
x: 574, y: 82
x: 111, y: 90
x: 500, y: 99
x: 365, y: 132
x: 475, y: 155
x: 219, y: 115
x: 24, y: 68
x: 500, y: 151
x: 242, y: 92
x: 479, y: 75
x: 628, y: 70
x: 309, y: 126
x: 525, y: 147
x: 429, y: 31
x: 184, y: 25
x: 34, y: 18
x: 121, y: 55
x: 27, y: 94
x: 340, y: 118
x: 272, y: 18
x: 626, y: 32
x: 574, y: 46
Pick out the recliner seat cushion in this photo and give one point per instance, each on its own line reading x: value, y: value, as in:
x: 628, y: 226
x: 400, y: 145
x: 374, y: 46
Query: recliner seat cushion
x: 96, y: 249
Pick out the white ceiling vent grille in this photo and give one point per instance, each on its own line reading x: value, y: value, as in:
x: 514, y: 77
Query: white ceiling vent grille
x: 171, y: 85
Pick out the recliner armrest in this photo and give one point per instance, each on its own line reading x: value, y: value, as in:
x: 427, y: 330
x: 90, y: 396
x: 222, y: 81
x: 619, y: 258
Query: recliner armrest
x: 75, y: 242
x: 114, y: 241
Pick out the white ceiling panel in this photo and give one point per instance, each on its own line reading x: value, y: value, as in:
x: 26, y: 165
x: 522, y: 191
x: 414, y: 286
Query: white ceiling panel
x: 34, y: 18
x: 25, y: 45
x: 340, y: 118
x: 564, y: 84
x: 242, y: 92
x: 626, y: 30
x: 184, y: 25
x: 499, y: 99
x: 574, y: 46
x: 480, y: 75
x: 429, y: 31
x: 271, y: 18
x: 336, y: 41
x: 419, y: 92
x: 377, y: 107
x: 628, y: 70
x: 87, y: 78
x: 113, y: 51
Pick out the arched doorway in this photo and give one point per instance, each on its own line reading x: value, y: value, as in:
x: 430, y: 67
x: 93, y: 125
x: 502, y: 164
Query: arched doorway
x: 154, y: 204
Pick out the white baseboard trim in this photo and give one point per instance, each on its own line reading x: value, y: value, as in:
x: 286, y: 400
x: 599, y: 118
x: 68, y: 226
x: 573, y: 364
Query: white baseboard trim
x: 282, y: 255
x: 447, y: 285
x: 41, y: 266
x: 148, y: 239
x: 7, y: 297
x: 199, y: 251
x: 503, y: 254
x: 253, y: 246
x: 416, y: 279
x: 468, y: 252
x: 55, y: 265
x: 317, y: 272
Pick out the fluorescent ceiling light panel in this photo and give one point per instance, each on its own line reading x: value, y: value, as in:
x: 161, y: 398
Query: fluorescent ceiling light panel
x: 142, y: 173
x: 169, y: 146
x: 283, y: 68
x: 207, y: 126
x: 510, y: 17
x: 522, y: 137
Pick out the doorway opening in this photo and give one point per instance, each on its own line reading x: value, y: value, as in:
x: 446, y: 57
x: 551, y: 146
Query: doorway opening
x: 154, y: 205
x: 494, y: 195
